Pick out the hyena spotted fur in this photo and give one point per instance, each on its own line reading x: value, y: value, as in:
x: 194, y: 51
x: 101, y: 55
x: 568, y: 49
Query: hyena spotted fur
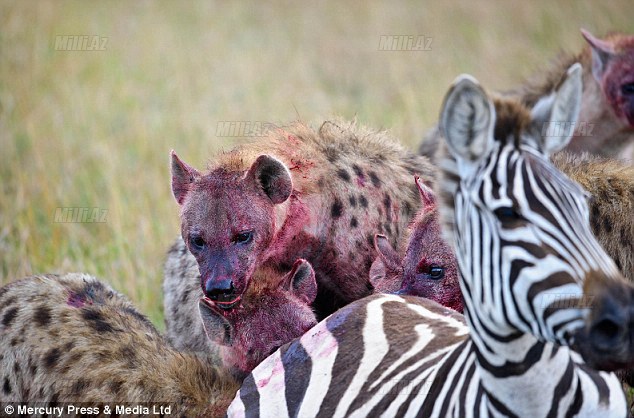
x: 610, y: 184
x: 72, y: 338
x: 606, y: 121
x: 320, y: 195
x: 273, y: 311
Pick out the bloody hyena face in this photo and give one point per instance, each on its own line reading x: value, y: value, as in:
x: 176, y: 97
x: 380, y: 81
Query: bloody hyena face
x: 613, y: 68
x: 429, y: 268
x: 228, y: 221
x: 267, y: 318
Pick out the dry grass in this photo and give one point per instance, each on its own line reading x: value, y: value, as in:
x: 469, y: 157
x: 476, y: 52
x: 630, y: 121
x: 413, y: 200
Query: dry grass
x: 94, y: 128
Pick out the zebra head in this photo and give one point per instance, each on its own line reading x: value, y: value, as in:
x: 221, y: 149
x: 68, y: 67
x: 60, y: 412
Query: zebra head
x: 529, y: 262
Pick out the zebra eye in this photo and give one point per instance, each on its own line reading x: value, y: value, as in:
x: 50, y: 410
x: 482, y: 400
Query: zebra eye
x: 508, y: 215
x: 627, y: 89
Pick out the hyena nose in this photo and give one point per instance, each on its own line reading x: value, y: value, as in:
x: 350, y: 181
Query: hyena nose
x: 220, y: 290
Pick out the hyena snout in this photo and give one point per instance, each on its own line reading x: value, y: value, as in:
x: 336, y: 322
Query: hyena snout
x: 221, y: 290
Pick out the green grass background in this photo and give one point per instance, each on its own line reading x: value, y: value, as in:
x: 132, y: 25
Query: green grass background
x: 94, y: 128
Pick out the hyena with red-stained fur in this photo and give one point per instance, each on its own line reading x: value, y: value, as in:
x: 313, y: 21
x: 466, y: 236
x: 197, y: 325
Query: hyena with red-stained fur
x: 426, y: 266
x: 298, y: 193
x: 72, y: 338
x: 272, y: 312
x: 606, y: 121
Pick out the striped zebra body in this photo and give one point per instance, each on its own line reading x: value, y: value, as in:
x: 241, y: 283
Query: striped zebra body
x: 427, y: 369
x: 528, y: 265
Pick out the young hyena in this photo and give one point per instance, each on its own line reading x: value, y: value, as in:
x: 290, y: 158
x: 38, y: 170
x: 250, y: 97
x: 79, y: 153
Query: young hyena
x: 426, y: 266
x: 299, y: 193
x: 606, y: 121
x: 72, y: 338
x: 274, y: 310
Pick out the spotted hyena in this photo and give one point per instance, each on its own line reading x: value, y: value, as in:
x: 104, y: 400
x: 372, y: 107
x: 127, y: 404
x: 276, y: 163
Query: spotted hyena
x: 428, y: 267
x: 298, y: 193
x: 606, y: 121
x: 72, y: 338
x: 274, y: 310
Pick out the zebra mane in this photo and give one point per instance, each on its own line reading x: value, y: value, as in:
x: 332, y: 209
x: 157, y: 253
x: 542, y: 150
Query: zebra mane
x: 554, y: 176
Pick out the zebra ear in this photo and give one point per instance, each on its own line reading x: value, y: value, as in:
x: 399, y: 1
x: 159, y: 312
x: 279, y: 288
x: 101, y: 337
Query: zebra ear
x: 559, y: 109
x: 467, y: 119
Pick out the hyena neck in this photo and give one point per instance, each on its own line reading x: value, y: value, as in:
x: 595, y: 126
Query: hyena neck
x: 295, y: 231
x: 543, y: 83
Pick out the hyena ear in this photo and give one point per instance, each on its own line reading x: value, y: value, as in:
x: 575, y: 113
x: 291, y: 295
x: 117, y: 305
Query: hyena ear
x: 273, y: 177
x: 387, y: 254
x: 602, y: 52
x: 467, y: 119
x: 384, y: 269
x: 427, y: 195
x: 561, y: 107
x: 378, y: 273
x: 218, y: 329
x: 301, y: 281
x: 183, y: 176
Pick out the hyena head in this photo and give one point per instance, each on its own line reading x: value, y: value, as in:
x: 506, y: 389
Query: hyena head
x: 429, y: 268
x: 613, y: 68
x: 228, y: 220
x: 272, y: 313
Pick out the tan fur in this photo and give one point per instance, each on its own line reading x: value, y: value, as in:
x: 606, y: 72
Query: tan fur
x: 312, y: 154
x: 611, y: 186
x: 181, y: 293
x: 71, y: 338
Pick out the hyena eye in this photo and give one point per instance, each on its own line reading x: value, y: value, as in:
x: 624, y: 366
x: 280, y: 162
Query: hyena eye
x: 243, y: 237
x: 432, y: 271
x: 627, y: 89
x: 197, y: 242
x: 436, y: 272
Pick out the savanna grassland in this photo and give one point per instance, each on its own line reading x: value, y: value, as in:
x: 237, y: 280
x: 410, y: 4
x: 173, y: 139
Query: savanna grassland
x: 93, y: 129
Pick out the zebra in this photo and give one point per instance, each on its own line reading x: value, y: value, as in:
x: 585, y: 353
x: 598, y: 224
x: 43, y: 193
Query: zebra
x: 535, y: 281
